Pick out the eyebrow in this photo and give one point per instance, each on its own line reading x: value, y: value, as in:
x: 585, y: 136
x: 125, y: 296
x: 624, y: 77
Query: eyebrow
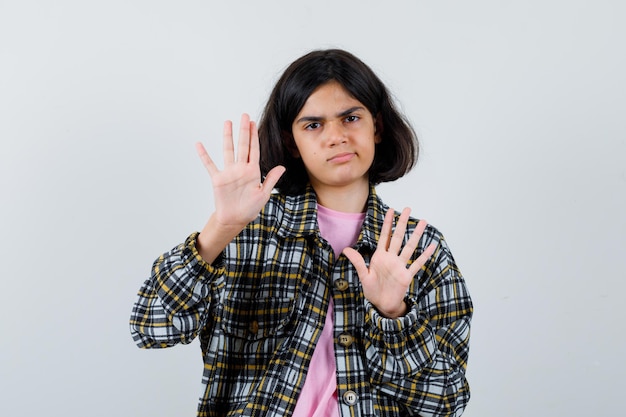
x: 319, y: 118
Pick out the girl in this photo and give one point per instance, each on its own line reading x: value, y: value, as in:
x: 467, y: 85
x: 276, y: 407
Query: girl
x: 317, y: 300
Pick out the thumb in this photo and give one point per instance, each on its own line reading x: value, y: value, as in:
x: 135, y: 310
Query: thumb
x: 357, y: 260
x: 206, y: 159
x: 272, y: 177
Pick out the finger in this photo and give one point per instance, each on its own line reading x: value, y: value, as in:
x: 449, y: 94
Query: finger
x: 395, y: 244
x: 254, y: 144
x: 385, y: 231
x: 228, y: 147
x: 422, y: 259
x: 206, y: 159
x: 272, y: 177
x: 243, y: 146
x: 357, y: 260
x: 411, y: 244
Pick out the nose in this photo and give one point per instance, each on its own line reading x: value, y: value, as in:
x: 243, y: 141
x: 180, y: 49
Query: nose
x: 335, y: 134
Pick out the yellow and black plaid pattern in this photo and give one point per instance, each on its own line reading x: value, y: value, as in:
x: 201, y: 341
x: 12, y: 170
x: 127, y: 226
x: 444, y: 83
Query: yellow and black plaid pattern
x: 260, y: 308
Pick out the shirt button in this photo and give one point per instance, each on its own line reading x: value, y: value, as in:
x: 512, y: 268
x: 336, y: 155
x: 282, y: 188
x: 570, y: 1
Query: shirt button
x: 350, y: 397
x: 254, y: 327
x: 345, y: 339
x: 341, y: 284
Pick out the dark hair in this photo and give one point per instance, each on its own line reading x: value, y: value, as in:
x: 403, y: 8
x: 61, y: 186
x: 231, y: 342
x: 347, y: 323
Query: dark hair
x: 394, y: 156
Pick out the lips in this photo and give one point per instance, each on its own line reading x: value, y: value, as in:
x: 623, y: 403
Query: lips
x: 342, y: 157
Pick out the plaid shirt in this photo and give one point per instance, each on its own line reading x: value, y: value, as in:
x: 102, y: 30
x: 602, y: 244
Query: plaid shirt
x: 260, y: 307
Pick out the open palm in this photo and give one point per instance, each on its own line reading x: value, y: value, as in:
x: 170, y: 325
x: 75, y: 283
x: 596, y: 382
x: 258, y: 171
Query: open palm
x: 238, y: 192
x: 387, y: 279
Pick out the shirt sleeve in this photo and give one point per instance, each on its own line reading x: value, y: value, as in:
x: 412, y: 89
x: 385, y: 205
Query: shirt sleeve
x: 420, y: 359
x: 173, y: 304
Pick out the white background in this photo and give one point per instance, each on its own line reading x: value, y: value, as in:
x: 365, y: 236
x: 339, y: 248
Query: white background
x: 520, y: 108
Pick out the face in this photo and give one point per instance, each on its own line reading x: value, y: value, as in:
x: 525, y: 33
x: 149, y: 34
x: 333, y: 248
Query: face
x: 335, y: 136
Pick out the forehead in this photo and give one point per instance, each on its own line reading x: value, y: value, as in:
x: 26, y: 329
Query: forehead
x: 330, y: 96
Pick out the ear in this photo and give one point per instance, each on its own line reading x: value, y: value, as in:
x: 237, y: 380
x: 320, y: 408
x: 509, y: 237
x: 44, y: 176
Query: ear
x: 378, y: 129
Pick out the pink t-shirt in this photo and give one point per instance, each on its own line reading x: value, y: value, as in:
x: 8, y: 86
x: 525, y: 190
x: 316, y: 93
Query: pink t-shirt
x: 319, y: 393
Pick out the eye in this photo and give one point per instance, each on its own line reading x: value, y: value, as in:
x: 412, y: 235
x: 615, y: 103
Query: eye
x: 352, y: 118
x: 312, y: 126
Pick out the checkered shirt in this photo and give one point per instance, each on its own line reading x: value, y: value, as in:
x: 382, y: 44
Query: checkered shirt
x: 260, y: 307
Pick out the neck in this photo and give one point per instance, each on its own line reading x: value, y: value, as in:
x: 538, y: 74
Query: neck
x: 347, y: 199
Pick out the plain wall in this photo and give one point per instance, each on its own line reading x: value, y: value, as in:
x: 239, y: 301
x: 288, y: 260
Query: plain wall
x: 520, y: 109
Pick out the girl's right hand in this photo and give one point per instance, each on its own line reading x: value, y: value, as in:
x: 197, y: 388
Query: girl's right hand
x: 238, y: 191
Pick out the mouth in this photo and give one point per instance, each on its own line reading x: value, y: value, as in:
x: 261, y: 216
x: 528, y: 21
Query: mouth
x: 341, y: 157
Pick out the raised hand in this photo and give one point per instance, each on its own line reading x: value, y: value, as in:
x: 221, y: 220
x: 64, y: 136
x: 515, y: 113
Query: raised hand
x: 239, y: 194
x: 387, y: 279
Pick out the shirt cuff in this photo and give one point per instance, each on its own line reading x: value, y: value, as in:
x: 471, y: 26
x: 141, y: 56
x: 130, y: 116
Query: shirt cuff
x: 194, y: 262
x: 397, y: 325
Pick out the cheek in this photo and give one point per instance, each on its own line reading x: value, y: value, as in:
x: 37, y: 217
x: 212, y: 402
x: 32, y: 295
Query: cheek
x: 309, y: 158
x: 307, y: 152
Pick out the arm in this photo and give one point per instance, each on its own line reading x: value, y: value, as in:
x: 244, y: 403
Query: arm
x: 173, y: 303
x: 420, y: 359
x: 417, y: 326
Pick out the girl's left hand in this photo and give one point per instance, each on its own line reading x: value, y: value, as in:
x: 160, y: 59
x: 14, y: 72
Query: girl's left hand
x: 387, y: 279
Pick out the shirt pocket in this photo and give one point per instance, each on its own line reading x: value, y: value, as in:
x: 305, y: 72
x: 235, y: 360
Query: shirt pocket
x: 257, y: 318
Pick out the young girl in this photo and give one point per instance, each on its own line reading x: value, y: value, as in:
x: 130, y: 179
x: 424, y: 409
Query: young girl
x: 317, y: 300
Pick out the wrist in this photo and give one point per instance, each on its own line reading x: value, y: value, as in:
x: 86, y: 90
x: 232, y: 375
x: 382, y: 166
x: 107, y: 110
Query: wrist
x: 395, y: 313
x: 214, y: 237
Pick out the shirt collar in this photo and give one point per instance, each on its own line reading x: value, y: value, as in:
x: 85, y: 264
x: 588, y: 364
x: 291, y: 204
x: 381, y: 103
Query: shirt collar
x: 373, y: 223
x: 300, y: 217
